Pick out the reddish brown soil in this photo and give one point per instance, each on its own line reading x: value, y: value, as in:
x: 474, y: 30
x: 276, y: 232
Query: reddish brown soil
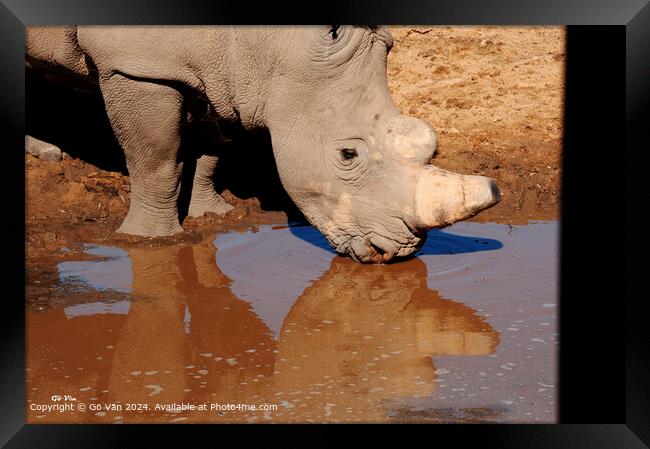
x: 494, y: 95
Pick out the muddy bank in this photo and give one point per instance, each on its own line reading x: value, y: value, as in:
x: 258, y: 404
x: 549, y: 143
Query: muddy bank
x: 72, y: 202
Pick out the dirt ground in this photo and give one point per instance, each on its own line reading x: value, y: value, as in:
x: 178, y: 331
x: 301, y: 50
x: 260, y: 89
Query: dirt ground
x: 493, y: 94
x: 495, y: 97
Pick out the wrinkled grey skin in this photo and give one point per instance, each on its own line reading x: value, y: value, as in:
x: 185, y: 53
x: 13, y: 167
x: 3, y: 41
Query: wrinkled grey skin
x: 354, y: 165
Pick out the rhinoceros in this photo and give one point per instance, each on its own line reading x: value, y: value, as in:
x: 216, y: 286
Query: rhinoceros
x: 358, y: 169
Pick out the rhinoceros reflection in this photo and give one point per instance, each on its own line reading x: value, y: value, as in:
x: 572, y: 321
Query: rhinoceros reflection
x: 182, y: 318
x: 358, y: 336
x: 363, y: 334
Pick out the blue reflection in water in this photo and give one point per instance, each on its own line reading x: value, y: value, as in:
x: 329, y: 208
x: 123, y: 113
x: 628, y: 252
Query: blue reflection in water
x: 112, y: 272
x: 438, y: 241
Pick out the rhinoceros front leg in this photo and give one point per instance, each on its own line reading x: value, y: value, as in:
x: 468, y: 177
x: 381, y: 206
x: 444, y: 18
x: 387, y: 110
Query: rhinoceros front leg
x: 146, y: 119
x: 204, y: 197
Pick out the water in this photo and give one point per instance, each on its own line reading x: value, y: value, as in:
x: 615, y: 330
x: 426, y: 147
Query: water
x: 465, y: 331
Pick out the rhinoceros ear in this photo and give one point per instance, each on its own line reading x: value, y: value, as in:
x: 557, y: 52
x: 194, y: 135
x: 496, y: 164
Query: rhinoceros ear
x: 334, y: 31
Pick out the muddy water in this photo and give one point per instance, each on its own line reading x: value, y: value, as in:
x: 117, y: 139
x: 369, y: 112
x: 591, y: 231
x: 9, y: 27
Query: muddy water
x: 273, y: 319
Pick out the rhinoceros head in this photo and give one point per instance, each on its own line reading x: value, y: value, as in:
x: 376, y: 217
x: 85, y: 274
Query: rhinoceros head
x: 358, y: 169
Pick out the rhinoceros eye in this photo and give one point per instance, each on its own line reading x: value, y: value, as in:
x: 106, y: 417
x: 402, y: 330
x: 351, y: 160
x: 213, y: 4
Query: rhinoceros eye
x: 348, y: 153
x: 334, y: 31
x: 349, y: 159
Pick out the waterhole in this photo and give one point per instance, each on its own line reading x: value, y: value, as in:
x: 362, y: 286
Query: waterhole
x: 273, y: 322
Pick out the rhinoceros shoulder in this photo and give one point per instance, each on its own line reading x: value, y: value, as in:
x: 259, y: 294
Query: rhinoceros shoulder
x: 151, y: 52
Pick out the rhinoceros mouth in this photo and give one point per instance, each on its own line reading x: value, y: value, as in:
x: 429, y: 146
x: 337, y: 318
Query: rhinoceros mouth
x: 378, y: 248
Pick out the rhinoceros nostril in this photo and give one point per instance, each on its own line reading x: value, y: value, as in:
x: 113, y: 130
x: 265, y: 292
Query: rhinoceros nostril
x: 377, y: 253
x: 383, y: 247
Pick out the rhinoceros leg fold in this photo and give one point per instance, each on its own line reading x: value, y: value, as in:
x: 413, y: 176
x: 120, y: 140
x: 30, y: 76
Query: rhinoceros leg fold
x: 146, y: 118
x: 204, y: 197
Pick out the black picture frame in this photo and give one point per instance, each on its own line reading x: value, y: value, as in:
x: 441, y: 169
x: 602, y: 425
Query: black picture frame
x: 604, y: 361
